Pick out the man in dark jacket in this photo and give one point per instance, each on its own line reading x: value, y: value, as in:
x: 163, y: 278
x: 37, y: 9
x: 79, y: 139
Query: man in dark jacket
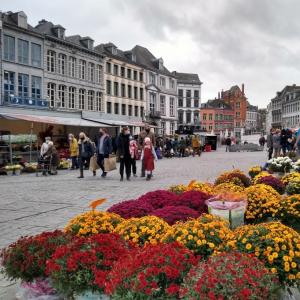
x: 103, y: 144
x: 228, y: 143
x: 86, y: 151
x: 124, y: 153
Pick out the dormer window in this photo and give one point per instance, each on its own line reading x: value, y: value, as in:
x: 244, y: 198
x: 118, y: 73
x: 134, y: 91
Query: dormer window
x: 133, y: 57
x: 59, y: 31
x: 87, y: 42
x: 114, y: 51
x: 21, y: 19
x: 160, y: 64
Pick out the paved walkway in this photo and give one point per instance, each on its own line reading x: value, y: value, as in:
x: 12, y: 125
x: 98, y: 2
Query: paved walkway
x: 30, y: 204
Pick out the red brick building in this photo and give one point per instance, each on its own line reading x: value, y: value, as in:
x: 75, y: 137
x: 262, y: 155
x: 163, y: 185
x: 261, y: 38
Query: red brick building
x: 235, y: 97
x: 217, y: 116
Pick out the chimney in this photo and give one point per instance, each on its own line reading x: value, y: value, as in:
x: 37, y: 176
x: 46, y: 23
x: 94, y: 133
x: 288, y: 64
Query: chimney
x: 219, y: 95
x: 243, y: 89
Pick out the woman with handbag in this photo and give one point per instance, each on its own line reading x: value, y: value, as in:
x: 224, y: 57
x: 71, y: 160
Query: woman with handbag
x: 124, y: 154
x: 86, y: 151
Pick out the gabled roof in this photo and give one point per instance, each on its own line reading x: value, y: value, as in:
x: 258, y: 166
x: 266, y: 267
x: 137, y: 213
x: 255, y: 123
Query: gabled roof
x: 216, y: 103
x: 187, y: 78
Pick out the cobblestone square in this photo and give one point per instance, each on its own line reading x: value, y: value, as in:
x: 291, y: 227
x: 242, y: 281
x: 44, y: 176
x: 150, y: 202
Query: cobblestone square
x: 31, y: 204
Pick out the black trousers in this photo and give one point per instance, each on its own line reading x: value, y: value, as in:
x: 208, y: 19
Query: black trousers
x: 270, y: 152
x: 125, y: 162
x: 100, y: 162
x: 133, y: 165
x: 84, y: 162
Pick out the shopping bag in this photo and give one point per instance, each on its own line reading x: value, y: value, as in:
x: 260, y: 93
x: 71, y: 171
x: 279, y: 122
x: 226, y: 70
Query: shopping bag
x: 93, y: 163
x: 110, y: 163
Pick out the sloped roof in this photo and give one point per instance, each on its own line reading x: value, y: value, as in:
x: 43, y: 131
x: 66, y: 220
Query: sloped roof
x: 216, y: 103
x: 187, y: 78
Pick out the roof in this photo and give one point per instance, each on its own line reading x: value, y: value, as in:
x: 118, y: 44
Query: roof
x: 251, y: 107
x: 216, y: 103
x: 187, y: 78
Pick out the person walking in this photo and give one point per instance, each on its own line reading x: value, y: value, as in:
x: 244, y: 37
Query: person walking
x: 123, y: 151
x: 276, y: 138
x: 133, y: 150
x: 228, y: 142
x: 196, y: 145
x: 143, y: 134
x: 52, y: 157
x: 73, y: 148
x: 86, y: 151
x: 148, y: 156
x: 104, y: 148
x: 270, y: 144
x: 284, y: 141
x: 262, y: 141
x: 182, y: 146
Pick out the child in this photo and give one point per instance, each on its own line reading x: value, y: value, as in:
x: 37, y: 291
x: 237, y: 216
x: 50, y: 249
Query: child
x: 133, y: 150
x: 148, y: 156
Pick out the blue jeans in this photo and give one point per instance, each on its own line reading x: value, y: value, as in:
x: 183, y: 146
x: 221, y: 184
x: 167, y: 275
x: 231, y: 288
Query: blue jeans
x: 74, y: 162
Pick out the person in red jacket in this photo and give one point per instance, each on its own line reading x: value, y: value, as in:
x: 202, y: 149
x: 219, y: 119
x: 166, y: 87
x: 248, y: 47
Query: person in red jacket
x: 148, y: 156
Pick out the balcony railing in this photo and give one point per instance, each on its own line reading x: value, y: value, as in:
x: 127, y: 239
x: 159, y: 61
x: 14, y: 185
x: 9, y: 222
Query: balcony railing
x: 26, y: 102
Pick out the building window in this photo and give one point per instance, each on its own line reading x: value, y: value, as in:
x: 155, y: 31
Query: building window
x: 36, y: 87
x: 141, y: 76
x: 188, y: 102
x: 81, y: 99
x: 62, y: 60
x: 9, y: 48
x: 108, y: 67
x: 196, y: 94
x: 135, y: 92
x: 116, y: 70
x: 196, y: 117
x: 129, y: 91
x: 124, y: 109
x: 163, y: 105
x: 72, y: 92
x: 162, y: 81
x: 172, y: 107
x: 82, y: 69
x: 98, y: 73
x: 141, y: 94
x: 152, y: 102
x: 172, y: 128
x: 108, y: 107
x: 238, y: 105
x: 204, y: 117
x: 23, y: 85
x: 136, y: 111
x: 188, y: 93
x: 196, y: 103
x: 123, y: 90
x: 72, y: 66
x: 188, y: 117
x: 171, y: 83
x: 237, y: 114
x: 129, y: 110
x: 152, y: 78
x: 142, y: 111
x: 180, y: 93
x: 91, y: 72
x: 180, y: 102
x: 51, y: 57
x: 116, y: 108
x: 62, y: 95
x: 122, y: 72
x: 23, y: 51
x: 129, y: 73
x: 134, y: 75
x: 163, y: 128
x: 180, y: 116
x: 108, y: 87
x: 210, y: 117
x: 90, y: 100
x: 98, y: 101
x: 36, y: 55
x: 51, y: 92
x: 116, y: 89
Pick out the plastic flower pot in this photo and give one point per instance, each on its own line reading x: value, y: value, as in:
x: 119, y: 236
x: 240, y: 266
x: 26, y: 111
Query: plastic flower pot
x: 91, y: 296
x: 17, y: 172
x: 233, y: 212
x: 9, y: 172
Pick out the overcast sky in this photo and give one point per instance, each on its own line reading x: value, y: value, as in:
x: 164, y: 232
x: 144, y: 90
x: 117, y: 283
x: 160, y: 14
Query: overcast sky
x: 227, y: 42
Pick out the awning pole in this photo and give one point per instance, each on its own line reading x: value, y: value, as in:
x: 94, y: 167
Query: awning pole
x: 30, y: 149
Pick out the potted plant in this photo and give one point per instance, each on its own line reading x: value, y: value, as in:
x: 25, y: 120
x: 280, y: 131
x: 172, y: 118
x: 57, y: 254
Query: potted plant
x: 17, y: 169
x: 280, y: 165
x: 230, y: 206
x: 9, y: 170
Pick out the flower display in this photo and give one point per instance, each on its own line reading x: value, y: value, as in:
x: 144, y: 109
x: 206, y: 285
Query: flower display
x: 230, y: 276
x: 141, y: 231
x: 289, y: 212
x: 280, y: 164
x: 296, y: 165
x: 228, y: 186
x: 93, y: 222
x: 83, y: 265
x: 286, y: 179
x: 158, y: 199
x: 293, y: 187
x: 235, y: 176
x: 254, y: 171
x: 131, y: 209
x: 263, y: 203
x: 26, y: 258
x: 200, y: 186
x: 272, y: 181
x: 277, y: 245
x: 200, y: 235
x: 178, y: 189
x: 173, y: 214
x: 193, y: 199
x: 260, y: 175
x: 153, y: 272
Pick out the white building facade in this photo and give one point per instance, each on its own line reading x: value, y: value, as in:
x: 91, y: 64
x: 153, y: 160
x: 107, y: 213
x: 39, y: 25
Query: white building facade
x: 251, y: 119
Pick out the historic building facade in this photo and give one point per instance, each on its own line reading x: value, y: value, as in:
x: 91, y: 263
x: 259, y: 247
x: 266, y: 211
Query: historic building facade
x: 189, y: 101
x: 251, y: 119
